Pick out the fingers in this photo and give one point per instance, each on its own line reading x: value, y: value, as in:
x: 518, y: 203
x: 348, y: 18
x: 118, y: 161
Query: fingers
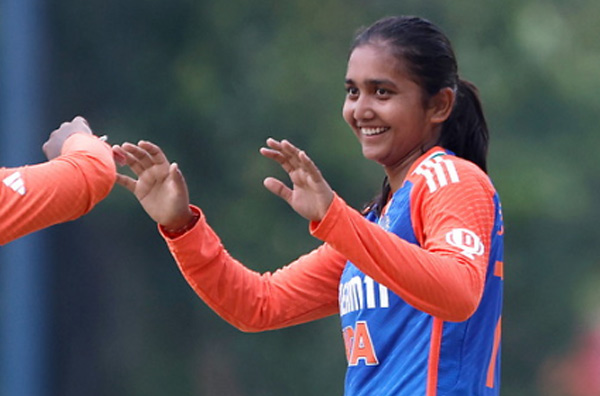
x: 155, y: 152
x: 140, y: 157
x: 135, y: 158
x: 77, y: 124
x: 310, y: 167
x: 126, y: 182
x: 119, y: 155
x: 292, y: 154
x: 275, y: 153
x: 80, y: 121
x: 291, y: 158
x: 285, y: 153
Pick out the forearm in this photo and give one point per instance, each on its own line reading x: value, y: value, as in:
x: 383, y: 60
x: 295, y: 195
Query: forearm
x: 37, y: 196
x: 442, y: 283
x: 303, y: 291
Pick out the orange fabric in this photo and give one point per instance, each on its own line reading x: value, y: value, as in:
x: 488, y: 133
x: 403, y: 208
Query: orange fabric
x: 499, y: 269
x: 492, y: 366
x: 37, y: 196
x: 434, y: 356
x: 303, y: 291
x: 435, y: 277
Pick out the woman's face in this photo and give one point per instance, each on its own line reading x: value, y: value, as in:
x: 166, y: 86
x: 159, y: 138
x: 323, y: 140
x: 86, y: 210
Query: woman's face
x: 386, y: 109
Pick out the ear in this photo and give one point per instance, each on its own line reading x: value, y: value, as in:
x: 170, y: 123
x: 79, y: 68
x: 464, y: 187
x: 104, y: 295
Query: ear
x: 441, y: 105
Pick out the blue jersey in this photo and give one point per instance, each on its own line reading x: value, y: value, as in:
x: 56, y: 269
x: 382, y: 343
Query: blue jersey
x: 394, y: 348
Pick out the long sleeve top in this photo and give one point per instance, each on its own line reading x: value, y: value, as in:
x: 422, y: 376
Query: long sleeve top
x: 33, y: 197
x: 418, y: 289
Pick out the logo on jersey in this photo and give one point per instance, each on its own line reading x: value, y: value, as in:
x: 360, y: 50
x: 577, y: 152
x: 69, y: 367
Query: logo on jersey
x: 353, y: 296
x: 438, y: 172
x: 15, y: 182
x: 359, y: 345
x: 466, y: 240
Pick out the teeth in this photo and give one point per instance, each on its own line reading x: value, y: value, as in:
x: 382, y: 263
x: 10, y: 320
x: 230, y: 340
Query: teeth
x: 373, y: 131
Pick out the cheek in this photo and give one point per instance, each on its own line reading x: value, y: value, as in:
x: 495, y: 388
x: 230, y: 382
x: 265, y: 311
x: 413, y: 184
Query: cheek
x: 347, y: 114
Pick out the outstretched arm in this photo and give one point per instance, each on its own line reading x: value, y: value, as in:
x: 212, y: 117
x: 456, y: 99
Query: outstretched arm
x: 303, y: 291
x: 310, y: 195
x: 80, y: 173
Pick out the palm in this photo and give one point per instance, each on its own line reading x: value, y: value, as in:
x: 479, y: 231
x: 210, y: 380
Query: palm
x: 160, y: 187
x: 310, y: 195
x: 156, y: 191
x: 304, y: 192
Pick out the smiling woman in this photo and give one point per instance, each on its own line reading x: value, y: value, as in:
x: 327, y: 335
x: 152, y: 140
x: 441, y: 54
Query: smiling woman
x: 384, y: 107
x: 417, y: 277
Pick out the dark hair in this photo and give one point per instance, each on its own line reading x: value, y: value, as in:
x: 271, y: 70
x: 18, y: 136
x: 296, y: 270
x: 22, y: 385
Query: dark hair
x: 427, y: 53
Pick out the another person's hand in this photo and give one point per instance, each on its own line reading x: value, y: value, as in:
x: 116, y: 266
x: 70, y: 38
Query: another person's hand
x: 310, y: 194
x: 160, y: 186
x: 53, y: 146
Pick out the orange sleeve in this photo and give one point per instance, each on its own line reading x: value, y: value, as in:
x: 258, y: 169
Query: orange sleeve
x: 305, y: 290
x: 37, y: 196
x: 436, y: 277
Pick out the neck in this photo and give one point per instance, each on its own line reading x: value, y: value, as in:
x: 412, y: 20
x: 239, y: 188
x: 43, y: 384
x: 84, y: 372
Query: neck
x: 397, y: 173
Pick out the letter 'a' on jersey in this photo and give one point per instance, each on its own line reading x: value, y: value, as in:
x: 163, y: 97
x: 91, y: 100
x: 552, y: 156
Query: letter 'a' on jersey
x: 37, y: 196
x: 418, y: 289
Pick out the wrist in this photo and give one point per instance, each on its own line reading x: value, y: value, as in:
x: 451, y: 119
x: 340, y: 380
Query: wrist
x: 180, y: 228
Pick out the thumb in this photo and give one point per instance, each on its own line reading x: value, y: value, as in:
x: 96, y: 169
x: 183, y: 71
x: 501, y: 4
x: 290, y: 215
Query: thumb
x: 177, y: 177
x: 126, y: 182
x: 278, y: 188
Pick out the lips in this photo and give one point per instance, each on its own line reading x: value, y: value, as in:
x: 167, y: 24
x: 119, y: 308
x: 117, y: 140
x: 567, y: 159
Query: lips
x: 373, y: 131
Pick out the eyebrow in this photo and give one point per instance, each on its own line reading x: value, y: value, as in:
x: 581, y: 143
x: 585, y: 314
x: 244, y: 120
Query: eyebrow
x: 373, y: 82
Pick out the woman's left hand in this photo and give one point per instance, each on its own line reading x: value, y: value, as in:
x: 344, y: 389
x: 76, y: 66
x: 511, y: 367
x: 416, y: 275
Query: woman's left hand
x: 53, y: 146
x: 310, y: 194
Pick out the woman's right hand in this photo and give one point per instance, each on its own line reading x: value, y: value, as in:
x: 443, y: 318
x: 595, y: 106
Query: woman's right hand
x: 310, y: 195
x: 160, y: 186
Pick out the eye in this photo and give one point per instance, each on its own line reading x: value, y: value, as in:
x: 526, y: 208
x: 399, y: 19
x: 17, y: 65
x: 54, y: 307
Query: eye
x: 351, y: 92
x: 382, y: 92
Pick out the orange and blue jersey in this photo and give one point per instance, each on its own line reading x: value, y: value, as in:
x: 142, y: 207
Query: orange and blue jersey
x: 395, y: 348
x: 418, y: 289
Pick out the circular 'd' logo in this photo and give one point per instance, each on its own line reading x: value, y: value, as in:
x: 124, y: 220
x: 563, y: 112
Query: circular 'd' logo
x: 466, y: 240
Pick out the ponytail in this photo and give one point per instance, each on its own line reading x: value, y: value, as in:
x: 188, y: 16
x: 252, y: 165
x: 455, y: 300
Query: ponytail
x: 377, y: 204
x: 465, y: 132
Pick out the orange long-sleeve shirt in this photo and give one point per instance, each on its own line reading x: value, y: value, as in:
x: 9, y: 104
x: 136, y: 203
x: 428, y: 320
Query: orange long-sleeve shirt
x: 435, y: 278
x: 300, y: 292
x: 33, y: 197
x: 418, y: 288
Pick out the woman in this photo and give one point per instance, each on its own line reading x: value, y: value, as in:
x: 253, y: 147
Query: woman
x: 417, y: 278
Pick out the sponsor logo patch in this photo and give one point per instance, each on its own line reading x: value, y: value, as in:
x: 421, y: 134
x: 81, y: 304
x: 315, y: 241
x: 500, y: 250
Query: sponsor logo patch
x: 15, y: 182
x: 466, y: 240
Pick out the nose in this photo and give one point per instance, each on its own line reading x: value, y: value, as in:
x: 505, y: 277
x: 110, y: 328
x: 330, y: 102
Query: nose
x: 363, y: 109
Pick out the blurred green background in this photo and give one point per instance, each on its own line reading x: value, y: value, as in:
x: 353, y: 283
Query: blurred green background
x: 209, y: 81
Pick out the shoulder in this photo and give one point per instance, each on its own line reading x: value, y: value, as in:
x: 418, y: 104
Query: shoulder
x: 440, y: 171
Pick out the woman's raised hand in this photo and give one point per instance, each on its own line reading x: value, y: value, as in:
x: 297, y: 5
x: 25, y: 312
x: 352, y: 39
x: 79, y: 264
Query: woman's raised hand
x: 310, y: 194
x: 160, y: 186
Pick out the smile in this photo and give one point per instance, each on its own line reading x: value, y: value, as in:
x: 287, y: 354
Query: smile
x: 373, y: 131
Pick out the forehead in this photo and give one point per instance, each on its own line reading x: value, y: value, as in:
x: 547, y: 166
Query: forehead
x: 374, y: 61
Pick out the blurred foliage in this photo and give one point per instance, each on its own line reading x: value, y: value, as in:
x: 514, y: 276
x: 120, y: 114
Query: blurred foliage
x: 209, y: 81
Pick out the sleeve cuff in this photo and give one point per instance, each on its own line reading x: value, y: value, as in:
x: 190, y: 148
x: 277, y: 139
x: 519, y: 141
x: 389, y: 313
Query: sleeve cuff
x: 170, y: 236
x: 320, y: 229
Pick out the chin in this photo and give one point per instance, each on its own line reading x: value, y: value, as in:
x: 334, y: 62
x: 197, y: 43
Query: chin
x: 371, y: 156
